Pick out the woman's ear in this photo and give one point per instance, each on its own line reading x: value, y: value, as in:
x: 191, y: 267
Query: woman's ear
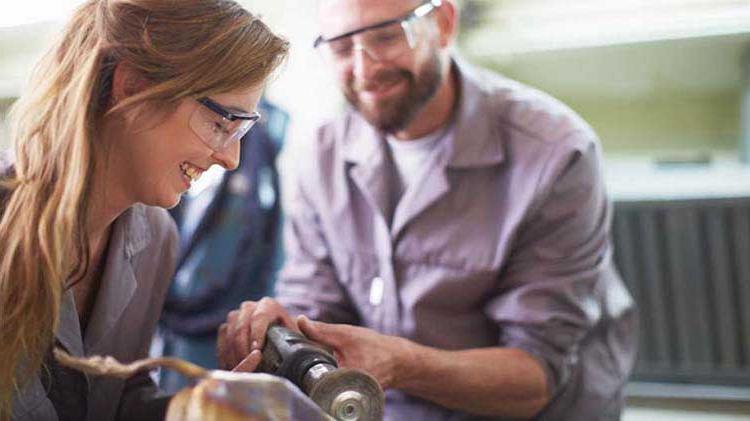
x: 126, y: 82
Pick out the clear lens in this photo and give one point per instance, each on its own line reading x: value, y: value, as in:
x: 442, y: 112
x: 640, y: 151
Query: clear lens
x: 340, y: 49
x: 384, y: 43
x: 216, y: 131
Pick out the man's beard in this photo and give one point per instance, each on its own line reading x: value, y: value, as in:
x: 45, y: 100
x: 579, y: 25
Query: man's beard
x: 393, y: 114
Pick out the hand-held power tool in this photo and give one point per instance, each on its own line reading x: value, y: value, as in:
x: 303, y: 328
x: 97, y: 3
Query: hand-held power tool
x: 346, y: 394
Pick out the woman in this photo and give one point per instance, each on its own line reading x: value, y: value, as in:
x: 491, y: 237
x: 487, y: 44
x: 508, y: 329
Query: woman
x: 134, y: 102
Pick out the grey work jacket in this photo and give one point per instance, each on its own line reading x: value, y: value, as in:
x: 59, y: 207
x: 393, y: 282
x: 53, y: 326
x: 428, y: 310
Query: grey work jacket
x: 503, y: 241
x: 139, y: 266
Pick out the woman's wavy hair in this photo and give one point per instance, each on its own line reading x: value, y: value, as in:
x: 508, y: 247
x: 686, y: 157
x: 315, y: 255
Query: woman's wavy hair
x: 181, y: 49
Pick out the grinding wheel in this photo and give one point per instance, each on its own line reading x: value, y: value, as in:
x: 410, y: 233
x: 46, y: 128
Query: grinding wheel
x: 349, y: 395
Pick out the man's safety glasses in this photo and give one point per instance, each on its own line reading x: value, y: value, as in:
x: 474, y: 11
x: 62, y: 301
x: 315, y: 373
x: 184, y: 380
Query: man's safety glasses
x: 381, y: 41
x: 218, y: 127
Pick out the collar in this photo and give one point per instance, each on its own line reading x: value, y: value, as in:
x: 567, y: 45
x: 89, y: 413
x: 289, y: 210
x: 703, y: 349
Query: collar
x: 135, y: 230
x: 477, y: 139
x: 131, y: 234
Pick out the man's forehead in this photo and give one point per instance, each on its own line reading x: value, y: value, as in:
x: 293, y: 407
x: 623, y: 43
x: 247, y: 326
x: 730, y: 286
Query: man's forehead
x: 340, y: 16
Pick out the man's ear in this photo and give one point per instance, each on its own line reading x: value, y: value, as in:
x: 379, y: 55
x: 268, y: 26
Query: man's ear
x: 126, y: 82
x: 447, y: 20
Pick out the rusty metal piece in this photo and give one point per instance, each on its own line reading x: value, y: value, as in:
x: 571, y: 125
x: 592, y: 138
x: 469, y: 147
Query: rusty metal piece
x: 228, y: 396
x: 218, y: 396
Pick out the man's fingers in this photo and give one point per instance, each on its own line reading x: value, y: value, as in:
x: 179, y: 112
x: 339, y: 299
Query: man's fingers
x: 259, y: 326
x: 232, y: 348
x: 232, y: 317
x: 239, y: 330
x: 242, y: 334
x: 250, y: 363
x: 231, y: 323
x: 221, y: 347
x: 266, y: 313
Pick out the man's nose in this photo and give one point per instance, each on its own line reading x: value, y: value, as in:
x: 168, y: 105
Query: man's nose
x: 365, y: 64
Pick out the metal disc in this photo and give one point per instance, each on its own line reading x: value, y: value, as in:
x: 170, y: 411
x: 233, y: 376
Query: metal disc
x: 349, y: 395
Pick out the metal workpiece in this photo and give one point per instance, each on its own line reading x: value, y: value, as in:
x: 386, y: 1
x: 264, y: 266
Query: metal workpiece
x: 345, y: 394
x: 231, y: 396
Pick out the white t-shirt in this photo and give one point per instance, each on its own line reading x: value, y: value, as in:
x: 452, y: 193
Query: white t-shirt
x: 410, y: 157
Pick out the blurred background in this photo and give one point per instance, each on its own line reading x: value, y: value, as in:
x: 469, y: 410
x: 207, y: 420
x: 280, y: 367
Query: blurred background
x: 666, y: 85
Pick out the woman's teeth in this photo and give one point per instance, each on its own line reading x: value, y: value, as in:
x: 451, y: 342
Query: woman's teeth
x: 191, y: 172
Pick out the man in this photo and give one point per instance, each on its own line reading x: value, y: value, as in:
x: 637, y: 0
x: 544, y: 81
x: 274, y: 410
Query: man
x: 460, y: 220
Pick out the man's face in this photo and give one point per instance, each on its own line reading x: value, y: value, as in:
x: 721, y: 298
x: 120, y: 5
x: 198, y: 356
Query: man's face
x: 388, y: 93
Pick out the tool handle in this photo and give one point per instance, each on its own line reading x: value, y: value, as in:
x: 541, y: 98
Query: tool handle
x: 290, y: 354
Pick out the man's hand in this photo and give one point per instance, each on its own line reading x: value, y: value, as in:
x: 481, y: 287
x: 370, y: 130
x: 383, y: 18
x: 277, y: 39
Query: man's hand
x: 243, y: 335
x: 381, y: 356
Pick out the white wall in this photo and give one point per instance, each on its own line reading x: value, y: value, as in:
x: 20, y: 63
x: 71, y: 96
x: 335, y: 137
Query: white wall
x: 304, y: 86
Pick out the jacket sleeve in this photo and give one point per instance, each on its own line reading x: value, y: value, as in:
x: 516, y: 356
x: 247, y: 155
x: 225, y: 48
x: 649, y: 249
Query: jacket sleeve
x: 308, y: 283
x: 548, y: 297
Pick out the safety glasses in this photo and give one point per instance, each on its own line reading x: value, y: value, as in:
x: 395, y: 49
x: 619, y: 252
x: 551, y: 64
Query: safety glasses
x: 381, y: 41
x: 218, y: 127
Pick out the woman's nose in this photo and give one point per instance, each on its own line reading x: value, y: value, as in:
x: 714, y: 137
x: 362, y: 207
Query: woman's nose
x: 229, y: 157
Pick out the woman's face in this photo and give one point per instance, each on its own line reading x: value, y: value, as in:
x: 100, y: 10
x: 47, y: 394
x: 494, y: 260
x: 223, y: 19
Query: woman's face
x: 158, y: 161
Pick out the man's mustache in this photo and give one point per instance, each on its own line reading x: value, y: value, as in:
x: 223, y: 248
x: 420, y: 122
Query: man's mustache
x: 385, y: 77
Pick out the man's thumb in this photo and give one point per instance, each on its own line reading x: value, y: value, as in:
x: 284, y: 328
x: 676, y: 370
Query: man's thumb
x: 315, y: 331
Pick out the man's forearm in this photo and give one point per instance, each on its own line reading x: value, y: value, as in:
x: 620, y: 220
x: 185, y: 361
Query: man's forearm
x: 487, y: 381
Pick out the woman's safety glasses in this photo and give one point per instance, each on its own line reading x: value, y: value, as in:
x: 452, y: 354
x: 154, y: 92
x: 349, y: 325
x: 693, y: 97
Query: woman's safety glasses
x: 218, y: 127
x: 381, y: 41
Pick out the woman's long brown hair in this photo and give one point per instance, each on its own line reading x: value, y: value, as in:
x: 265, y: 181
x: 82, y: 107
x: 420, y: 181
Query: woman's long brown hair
x: 183, y: 49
